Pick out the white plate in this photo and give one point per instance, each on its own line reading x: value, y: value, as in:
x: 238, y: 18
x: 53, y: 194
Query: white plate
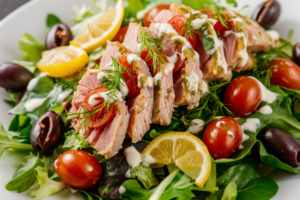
x: 31, y: 18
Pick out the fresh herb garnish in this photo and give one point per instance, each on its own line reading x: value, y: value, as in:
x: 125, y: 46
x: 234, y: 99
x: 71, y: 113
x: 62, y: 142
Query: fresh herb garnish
x: 187, y: 30
x: 153, y: 46
x: 217, y: 9
x: 70, y: 82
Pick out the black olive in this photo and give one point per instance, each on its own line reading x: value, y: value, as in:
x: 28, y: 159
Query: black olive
x: 14, y: 77
x: 267, y: 13
x: 46, y: 133
x: 282, y: 145
x: 296, y: 54
x: 58, y: 35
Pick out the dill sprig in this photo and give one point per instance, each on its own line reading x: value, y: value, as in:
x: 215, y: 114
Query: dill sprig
x: 217, y: 9
x: 153, y: 46
x: 69, y: 82
x: 211, y: 104
x: 187, y: 29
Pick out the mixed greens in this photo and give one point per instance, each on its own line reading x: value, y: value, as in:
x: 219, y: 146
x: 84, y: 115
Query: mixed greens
x: 242, y: 176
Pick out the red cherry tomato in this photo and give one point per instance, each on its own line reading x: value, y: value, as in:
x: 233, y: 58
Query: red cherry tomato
x: 149, y: 62
x: 178, y: 21
x: 130, y: 77
x: 102, y: 117
x: 243, y: 96
x: 121, y: 34
x: 285, y: 73
x: 219, y: 28
x: 223, y: 137
x: 78, y: 169
x: 153, y: 12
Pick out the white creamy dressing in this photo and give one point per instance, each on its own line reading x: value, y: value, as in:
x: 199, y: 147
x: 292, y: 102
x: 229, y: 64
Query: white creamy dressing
x: 265, y: 110
x: 274, y: 36
x: 204, y: 88
x: 93, y: 101
x: 122, y: 190
x: 251, y: 125
x: 193, y: 80
x: 157, y: 77
x: 141, y: 14
x: 64, y: 95
x: 131, y: 58
x: 53, y: 92
x: 33, y: 82
x: 33, y: 104
x: 145, y: 81
x: 196, y: 126
x: 133, y: 158
x: 267, y: 95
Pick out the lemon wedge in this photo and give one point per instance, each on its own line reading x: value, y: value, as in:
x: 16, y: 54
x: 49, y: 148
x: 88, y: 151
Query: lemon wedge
x: 100, y: 28
x: 184, y: 150
x: 62, y: 61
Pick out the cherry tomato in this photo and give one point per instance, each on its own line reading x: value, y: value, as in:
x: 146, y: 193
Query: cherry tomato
x: 153, y: 12
x: 121, y: 34
x: 130, y: 77
x: 149, y: 62
x: 285, y: 73
x: 178, y: 21
x: 78, y: 169
x: 243, y: 96
x: 223, y: 137
x: 219, y: 27
x: 102, y: 117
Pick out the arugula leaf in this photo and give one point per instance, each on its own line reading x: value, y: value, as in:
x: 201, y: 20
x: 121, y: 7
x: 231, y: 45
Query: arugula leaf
x: 25, y: 176
x: 8, y: 144
x: 52, y: 20
x: 31, y: 48
x: 247, y: 184
x: 47, y: 186
x: 135, y: 191
x: 145, y: 175
x: 85, y: 195
x: 230, y: 192
x: 75, y: 141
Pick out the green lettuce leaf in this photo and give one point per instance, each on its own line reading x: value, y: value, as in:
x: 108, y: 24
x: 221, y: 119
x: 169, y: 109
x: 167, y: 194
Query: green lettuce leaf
x: 20, y: 128
x: 25, y: 176
x: 135, y: 5
x: 47, y: 186
x: 85, y: 195
x: 8, y: 144
x: 75, y: 141
x: 145, y: 175
x: 230, y: 192
x: 52, y: 20
x: 134, y: 191
x: 248, y: 184
x: 31, y: 48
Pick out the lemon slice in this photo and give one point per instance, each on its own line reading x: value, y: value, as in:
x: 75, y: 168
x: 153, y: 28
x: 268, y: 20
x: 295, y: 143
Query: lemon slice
x: 184, y: 150
x: 62, y: 61
x: 97, y: 30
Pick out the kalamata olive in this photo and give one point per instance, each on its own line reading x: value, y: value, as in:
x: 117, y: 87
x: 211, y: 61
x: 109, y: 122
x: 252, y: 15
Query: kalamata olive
x: 282, y: 145
x: 46, y: 133
x: 14, y: 76
x: 58, y: 35
x: 296, y: 54
x: 267, y: 13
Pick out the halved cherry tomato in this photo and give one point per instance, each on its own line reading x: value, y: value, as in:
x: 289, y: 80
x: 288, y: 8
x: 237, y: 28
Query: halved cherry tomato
x: 285, y: 73
x: 178, y: 21
x: 130, y: 77
x: 78, y: 169
x: 121, y: 34
x: 153, y: 12
x: 243, y: 96
x: 104, y: 115
x: 219, y: 27
x: 223, y: 137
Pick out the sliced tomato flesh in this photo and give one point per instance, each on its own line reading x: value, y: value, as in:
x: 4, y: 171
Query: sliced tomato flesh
x: 130, y: 77
x: 101, y: 113
x: 149, y: 62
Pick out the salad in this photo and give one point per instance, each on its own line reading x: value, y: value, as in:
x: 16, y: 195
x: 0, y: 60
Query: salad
x: 145, y: 99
